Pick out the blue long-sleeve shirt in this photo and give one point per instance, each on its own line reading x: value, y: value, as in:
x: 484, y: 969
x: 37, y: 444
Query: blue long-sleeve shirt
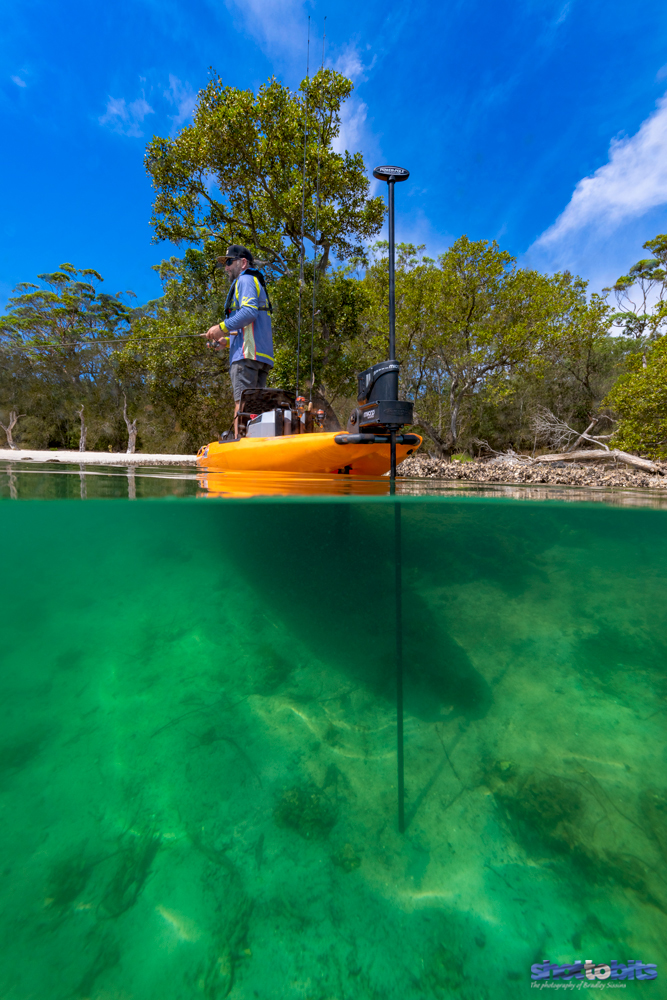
x: 249, y: 327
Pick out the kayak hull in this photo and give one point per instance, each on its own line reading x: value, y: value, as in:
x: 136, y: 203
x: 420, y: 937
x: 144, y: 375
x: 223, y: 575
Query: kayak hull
x: 309, y: 453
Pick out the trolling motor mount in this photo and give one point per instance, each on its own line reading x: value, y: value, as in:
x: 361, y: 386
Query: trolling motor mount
x: 381, y: 410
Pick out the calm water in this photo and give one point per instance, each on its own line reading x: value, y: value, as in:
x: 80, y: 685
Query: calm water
x: 198, y: 741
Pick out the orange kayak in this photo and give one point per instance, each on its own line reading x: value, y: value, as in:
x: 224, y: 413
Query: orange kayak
x: 310, y: 453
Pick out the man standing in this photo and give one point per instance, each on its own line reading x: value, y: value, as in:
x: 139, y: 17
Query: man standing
x: 246, y: 328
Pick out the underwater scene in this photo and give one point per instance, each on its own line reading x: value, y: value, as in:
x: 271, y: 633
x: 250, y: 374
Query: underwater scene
x: 198, y: 747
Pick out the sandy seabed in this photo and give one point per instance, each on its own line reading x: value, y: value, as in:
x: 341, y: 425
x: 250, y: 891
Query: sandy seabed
x: 198, y: 752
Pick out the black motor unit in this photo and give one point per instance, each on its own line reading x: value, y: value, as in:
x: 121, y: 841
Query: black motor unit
x: 381, y: 410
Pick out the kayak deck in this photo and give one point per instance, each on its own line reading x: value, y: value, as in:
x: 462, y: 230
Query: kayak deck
x: 311, y: 453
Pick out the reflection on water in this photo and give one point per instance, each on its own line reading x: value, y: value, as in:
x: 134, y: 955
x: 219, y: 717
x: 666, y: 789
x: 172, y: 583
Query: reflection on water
x: 58, y: 481
x: 63, y: 482
x: 198, y: 740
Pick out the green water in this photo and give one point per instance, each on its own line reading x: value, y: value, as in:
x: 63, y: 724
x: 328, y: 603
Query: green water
x: 198, y: 758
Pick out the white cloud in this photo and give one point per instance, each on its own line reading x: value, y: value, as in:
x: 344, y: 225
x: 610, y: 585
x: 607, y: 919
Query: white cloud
x: 631, y: 183
x: 351, y: 64
x: 19, y: 82
x: 126, y: 118
x: 279, y: 27
x: 184, y: 99
x: 596, y: 256
x: 563, y: 13
x: 353, y: 133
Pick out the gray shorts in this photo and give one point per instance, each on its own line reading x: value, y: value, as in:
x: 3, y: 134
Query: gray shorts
x: 248, y: 375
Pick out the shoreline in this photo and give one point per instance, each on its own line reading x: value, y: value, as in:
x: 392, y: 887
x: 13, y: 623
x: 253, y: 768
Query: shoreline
x: 94, y: 457
x: 497, y: 471
x: 513, y: 471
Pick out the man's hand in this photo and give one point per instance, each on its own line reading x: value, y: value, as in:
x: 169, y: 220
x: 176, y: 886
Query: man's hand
x: 216, y: 337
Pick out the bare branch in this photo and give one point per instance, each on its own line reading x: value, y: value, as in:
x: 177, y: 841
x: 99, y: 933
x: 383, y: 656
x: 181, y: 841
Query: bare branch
x: 14, y: 418
x: 551, y: 430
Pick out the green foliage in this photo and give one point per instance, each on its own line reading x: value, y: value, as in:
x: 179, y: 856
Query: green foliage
x: 640, y: 295
x: 639, y: 397
x: 165, y: 362
x: 571, y: 380
x: 57, y: 341
x: 237, y: 172
x: 473, y: 330
x: 334, y: 333
x: 483, y: 345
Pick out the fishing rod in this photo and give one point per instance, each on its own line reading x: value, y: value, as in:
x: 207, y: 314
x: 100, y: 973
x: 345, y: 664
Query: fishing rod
x: 317, y: 219
x: 303, y: 210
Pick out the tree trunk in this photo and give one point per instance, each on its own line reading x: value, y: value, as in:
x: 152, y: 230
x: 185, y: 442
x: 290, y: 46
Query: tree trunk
x: 131, y: 429
x: 14, y: 418
x: 441, y: 445
x: 453, y: 425
x: 82, y: 433
x: 595, y: 455
x: 439, y: 403
x: 454, y: 407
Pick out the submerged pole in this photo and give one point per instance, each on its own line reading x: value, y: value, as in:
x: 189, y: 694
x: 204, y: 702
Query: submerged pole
x: 398, y: 574
x: 391, y: 175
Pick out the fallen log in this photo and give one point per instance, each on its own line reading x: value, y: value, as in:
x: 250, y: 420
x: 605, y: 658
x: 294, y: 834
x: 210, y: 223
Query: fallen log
x: 595, y: 455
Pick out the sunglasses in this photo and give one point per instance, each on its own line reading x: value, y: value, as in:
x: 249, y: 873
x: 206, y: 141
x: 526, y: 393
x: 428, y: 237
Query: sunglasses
x: 230, y: 260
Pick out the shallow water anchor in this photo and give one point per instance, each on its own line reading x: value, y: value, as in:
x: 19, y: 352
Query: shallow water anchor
x: 399, y: 666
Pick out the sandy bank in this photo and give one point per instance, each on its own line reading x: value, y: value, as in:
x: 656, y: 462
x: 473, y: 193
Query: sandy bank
x: 501, y: 470
x: 95, y: 457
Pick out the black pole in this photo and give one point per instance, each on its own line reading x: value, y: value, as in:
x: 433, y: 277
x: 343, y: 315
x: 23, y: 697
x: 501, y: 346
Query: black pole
x: 392, y: 309
x: 392, y: 278
x: 397, y: 530
x: 391, y: 175
x: 399, y: 666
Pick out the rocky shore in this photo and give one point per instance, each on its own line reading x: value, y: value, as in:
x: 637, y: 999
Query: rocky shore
x: 520, y: 469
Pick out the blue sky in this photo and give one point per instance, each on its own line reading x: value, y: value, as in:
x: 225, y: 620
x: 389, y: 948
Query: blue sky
x: 540, y: 124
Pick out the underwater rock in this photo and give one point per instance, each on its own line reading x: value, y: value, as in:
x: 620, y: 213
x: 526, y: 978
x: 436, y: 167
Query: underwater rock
x: 551, y: 812
x: 346, y: 858
x: 307, y: 811
x: 505, y: 769
x: 546, y: 808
